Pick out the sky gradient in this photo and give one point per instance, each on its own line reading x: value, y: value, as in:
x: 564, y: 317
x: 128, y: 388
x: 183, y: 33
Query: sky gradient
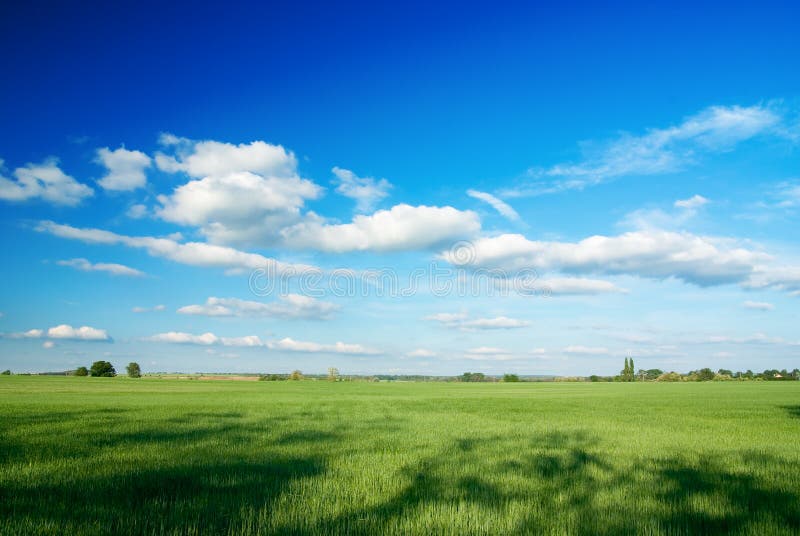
x: 408, y: 189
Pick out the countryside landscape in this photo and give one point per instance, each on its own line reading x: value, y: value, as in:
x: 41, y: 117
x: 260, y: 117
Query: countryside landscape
x: 399, y: 269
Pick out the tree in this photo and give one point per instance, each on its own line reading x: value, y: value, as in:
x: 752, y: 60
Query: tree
x: 510, y: 378
x: 134, y: 370
x: 333, y: 374
x: 705, y: 375
x: 296, y: 375
x: 81, y: 371
x: 628, y: 371
x: 102, y: 369
x: 6, y: 372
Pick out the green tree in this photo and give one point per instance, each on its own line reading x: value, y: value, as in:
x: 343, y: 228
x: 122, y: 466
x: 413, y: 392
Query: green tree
x: 6, y: 373
x: 81, y: 371
x: 705, y: 375
x: 510, y: 378
x: 333, y: 374
x: 134, y: 370
x: 296, y: 375
x: 102, y: 369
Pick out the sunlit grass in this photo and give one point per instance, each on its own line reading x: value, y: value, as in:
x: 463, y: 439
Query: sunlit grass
x: 99, y: 456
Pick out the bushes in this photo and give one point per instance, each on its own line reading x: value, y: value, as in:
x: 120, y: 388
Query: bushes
x: 134, y: 370
x: 670, y: 377
x: 510, y: 378
x: 81, y: 371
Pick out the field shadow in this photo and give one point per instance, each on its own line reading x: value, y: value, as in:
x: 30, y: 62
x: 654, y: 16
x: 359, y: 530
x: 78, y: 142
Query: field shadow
x: 794, y: 411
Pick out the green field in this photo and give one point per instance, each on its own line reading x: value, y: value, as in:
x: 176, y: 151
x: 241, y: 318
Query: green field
x: 98, y: 456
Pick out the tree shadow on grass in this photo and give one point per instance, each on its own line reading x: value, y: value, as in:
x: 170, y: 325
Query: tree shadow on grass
x: 794, y: 411
x: 567, y: 486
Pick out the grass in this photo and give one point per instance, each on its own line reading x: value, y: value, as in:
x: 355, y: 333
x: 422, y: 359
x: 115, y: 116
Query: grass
x: 100, y: 456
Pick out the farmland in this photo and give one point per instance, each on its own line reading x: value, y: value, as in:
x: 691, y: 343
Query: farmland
x: 100, y: 455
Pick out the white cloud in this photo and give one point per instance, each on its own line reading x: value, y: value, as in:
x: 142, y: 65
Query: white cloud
x: 461, y: 321
x: 421, y: 352
x: 694, y: 202
x: 367, y: 191
x: 242, y: 194
x: 586, y: 350
x: 153, y: 309
x: 651, y: 254
x: 248, y: 340
x: 83, y: 333
x: 111, y: 268
x: 178, y: 337
x: 559, y: 286
x: 658, y: 151
x: 190, y: 253
x: 292, y: 345
x: 43, y: 181
x: 125, y: 169
x: 136, y: 212
x: 758, y: 306
x: 216, y: 159
x: 403, y: 227
x: 48, y: 344
x: 288, y: 306
x: 498, y: 204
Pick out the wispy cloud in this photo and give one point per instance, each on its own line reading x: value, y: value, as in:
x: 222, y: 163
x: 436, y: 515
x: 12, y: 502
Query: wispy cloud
x: 657, y: 151
x: 110, y: 268
x: 496, y: 203
x: 367, y: 191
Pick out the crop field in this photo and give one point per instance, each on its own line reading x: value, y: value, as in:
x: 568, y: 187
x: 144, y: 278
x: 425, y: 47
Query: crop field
x: 122, y: 456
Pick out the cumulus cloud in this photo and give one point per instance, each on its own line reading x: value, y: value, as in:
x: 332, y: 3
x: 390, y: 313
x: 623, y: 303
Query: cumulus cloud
x: 126, y: 169
x: 685, y: 210
x: 136, y: 212
x: 462, y: 322
x: 367, y: 191
x: 241, y: 194
x: 291, y: 345
x: 498, y: 204
x: 651, y: 254
x: 189, y: 253
x: 403, y: 227
x: 558, y: 286
x: 288, y: 306
x: 83, y: 333
x: 659, y: 150
x: 758, y: 306
x: 43, y: 181
x: 111, y: 268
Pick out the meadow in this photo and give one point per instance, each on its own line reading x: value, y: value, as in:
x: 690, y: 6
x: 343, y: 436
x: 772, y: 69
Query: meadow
x: 159, y: 456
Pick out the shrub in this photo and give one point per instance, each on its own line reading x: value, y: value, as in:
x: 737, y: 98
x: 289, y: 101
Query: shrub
x: 296, y: 375
x: 81, y: 371
x: 510, y: 378
x: 102, y: 369
x: 669, y: 377
x: 6, y: 372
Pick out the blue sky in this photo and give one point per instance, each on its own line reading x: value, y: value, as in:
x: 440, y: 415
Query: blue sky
x: 592, y: 182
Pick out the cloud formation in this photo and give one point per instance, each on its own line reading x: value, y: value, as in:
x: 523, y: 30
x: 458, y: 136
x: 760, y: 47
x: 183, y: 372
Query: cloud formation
x: 291, y: 345
x: 498, y: 204
x: 43, y: 181
x: 111, y: 268
x: 288, y: 306
x: 367, y: 191
x: 463, y: 322
x: 126, y: 169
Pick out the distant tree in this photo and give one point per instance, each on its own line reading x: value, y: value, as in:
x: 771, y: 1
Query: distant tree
x: 510, y: 378
x: 653, y: 373
x: 102, y: 369
x: 473, y: 377
x: 81, y: 371
x: 628, y: 374
x: 705, y: 375
x: 296, y: 375
x: 134, y: 370
x: 796, y: 374
x: 725, y: 372
x: 333, y: 374
x: 6, y: 372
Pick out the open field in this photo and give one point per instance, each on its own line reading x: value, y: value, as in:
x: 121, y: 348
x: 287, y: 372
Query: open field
x: 97, y: 455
